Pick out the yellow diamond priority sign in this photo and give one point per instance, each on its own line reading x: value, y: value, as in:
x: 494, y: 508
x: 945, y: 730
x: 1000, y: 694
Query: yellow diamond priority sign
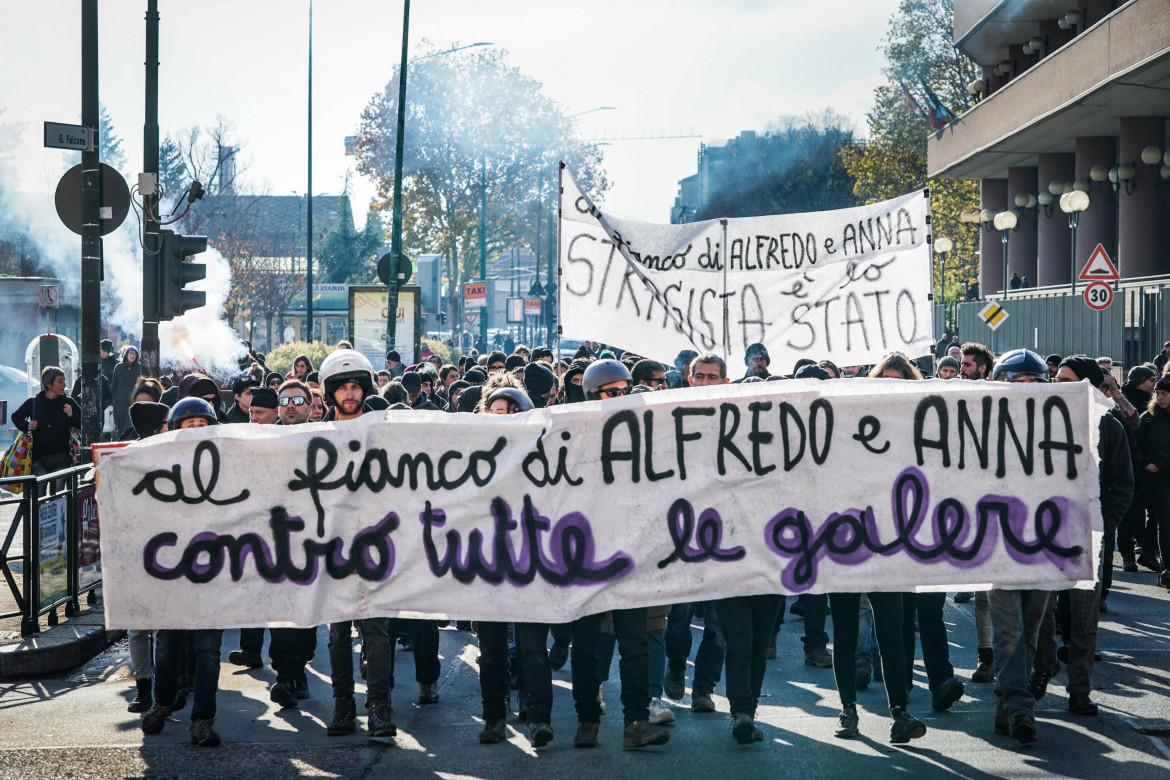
x: 994, y: 315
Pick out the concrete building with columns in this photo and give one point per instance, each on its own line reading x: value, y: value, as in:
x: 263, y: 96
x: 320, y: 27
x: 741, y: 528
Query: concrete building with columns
x: 1072, y: 97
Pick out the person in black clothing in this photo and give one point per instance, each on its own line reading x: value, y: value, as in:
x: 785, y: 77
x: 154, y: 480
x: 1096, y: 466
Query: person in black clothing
x: 49, y: 416
x: 1134, y: 530
x: 242, y: 390
x: 109, y: 359
x: 412, y: 382
x: 126, y: 375
x: 1162, y: 357
x: 1153, y: 440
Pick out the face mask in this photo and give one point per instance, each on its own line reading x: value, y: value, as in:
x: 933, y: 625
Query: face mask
x: 574, y: 394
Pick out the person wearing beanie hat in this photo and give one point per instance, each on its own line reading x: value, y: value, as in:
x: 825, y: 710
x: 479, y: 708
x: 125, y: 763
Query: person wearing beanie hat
x: 542, y: 354
x: 108, y: 359
x: 412, y: 382
x: 571, y: 391
x: 469, y: 399
x: 262, y: 409
x: 810, y: 372
x: 606, y: 355
x: 1053, y: 362
x: 514, y: 361
x: 948, y: 368
x: 757, y: 361
x: 540, y: 384
x: 475, y: 377
x: 453, y: 392
x: 149, y: 418
x: 394, y: 363
x: 273, y: 379
x: 496, y: 361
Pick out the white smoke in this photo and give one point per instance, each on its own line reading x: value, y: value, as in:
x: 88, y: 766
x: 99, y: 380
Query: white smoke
x: 201, y: 339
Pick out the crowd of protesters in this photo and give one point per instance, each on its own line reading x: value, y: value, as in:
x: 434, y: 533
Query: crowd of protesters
x: 1022, y: 636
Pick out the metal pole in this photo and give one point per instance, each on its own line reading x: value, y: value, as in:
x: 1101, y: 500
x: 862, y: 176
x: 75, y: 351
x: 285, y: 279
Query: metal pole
x: 560, y: 196
x: 396, y: 224
x: 483, y: 324
x: 1072, y: 255
x: 150, y: 240
x: 309, y: 198
x: 1098, y: 334
x: 1004, y: 278
x: 726, y: 258
x: 91, y: 237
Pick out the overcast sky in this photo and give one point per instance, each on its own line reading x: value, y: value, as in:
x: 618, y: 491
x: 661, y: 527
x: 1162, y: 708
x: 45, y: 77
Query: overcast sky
x: 718, y: 67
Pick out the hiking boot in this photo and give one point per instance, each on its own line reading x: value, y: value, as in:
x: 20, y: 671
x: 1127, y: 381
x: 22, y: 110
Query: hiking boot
x: 301, y: 687
x: 1129, y: 563
x: 965, y: 597
x: 660, y: 714
x: 702, y: 702
x: 540, y: 734
x: 864, y: 673
x: 283, y: 694
x: 744, y: 729
x: 344, y: 717
x: 493, y: 731
x: 1023, y: 728
x: 143, y: 700
x: 820, y: 658
x: 1038, y: 685
x: 905, y: 728
x: 248, y: 658
x: 1149, y: 560
x: 641, y: 734
x: 155, y: 719
x: 202, y: 733
x: 380, y: 720
x: 674, y: 685
x: 428, y: 693
x: 1081, y: 704
x: 985, y: 670
x: 847, y: 722
x: 948, y: 693
x: 558, y: 656
x: 586, y: 736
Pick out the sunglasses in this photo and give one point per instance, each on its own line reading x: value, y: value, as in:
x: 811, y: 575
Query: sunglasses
x: 295, y: 400
x: 613, y: 392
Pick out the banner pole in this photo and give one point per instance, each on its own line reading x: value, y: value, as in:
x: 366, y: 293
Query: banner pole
x: 560, y: 218
x: 726, y: 259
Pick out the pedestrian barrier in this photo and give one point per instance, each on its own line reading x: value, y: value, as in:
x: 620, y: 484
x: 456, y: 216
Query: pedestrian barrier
x: 57, y: 516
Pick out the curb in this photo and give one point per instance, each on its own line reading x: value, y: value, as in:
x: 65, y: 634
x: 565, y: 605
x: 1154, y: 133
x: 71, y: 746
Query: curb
x: 59, y: 649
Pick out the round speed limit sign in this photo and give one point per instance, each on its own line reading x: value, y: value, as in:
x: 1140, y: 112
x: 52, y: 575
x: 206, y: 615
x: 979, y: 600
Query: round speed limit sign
x: 1098, y: 296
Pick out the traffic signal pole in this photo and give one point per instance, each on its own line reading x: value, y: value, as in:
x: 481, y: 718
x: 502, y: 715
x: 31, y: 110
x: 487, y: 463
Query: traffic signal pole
x: 150, y: 227
x: 91, y: 236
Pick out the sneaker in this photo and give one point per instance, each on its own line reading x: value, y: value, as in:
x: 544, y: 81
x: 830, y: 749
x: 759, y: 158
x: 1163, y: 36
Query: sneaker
x: 745, y: 731
x: 284, y: 694
x: 1023, y: 728
x: 301, y: 687
x: 247, y: 658
x: 820, y: 658
x: 1129, y: 564
x: 202, y: 733
x: 493, y: 732
x: 380, y: 722
x: 1081, y: 704
x: 641, y: 734
x: 540, y: 734
x: 155, y: 719
x: 344, y: 717
x: 428, y: 693
x: 964, y: 598
x: 702, y: 702
x: 985, y: 670
x: 864, y: 672
x: 847, y: 722
x: 1149, y: 560
x: 558, y: 656
x: 905, y: 728
x: 948, y: 693
x: 143, y: 700
x: 660, y: 714
x: 601, y: 698
x: 586, y: 736
x: 674, y: 685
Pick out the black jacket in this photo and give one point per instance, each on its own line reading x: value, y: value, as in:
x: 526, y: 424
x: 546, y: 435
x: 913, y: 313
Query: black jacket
x: 237, y: 415
x: 1153, y: 441
x: 1116, y: 473
x: 52, y: 434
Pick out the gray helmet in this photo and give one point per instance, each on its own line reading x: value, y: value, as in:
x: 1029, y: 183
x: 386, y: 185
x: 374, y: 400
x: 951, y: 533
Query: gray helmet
x: 1020, y: 363
x: 514, y: 396
x: 603, y: 372
x: 345, y: 365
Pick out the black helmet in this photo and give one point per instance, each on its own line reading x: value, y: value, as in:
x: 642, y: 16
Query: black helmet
x: 345, y: 365
x: 603, y: 372
x: 1019, y: 364
x: 188, y: 408
x: 514, y: 395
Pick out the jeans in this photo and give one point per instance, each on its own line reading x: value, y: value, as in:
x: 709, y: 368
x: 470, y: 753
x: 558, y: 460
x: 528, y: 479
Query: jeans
x: 290, y: 650
x: 379, y: 653
x: 493, y: 670
x: 630, y: 628
x: 747, y: 623
x: 932, y: 632
x: 887, y: 613
x: 1016, y: 616
x: 709, y: 657
x: 866, y: 641
x: 538, y: 691
x: 168, y: 654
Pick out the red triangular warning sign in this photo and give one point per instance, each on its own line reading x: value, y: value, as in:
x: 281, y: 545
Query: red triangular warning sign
x: 1099, y: 268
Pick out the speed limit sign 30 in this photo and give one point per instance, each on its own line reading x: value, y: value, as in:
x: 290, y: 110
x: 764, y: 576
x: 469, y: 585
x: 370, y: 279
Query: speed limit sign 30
x: 1098, y: 296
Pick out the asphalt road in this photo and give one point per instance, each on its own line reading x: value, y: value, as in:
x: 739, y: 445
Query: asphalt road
x: 76, y: 725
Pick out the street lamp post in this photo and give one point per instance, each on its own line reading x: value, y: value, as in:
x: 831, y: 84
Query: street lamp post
x: 942, y: 245
x: 1073, y: 203
x: 1005, y: 222
x: 309, y: 199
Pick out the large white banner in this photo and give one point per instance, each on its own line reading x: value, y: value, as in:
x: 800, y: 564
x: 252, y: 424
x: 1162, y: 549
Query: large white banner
x: 849, y: 286
x: 656, y: 498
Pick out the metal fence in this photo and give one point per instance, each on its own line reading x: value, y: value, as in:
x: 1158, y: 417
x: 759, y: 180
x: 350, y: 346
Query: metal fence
x: 49, y: 511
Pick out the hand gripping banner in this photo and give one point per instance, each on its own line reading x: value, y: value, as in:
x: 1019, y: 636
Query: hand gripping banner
x: 655, y: 498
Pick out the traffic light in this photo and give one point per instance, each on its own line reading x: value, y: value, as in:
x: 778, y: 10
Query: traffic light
x: 175, y: 273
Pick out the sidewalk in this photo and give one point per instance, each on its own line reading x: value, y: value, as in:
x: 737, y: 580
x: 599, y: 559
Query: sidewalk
x: 56, y: 648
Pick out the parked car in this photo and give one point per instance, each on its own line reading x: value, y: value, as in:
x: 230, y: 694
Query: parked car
x: 569, y: 348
